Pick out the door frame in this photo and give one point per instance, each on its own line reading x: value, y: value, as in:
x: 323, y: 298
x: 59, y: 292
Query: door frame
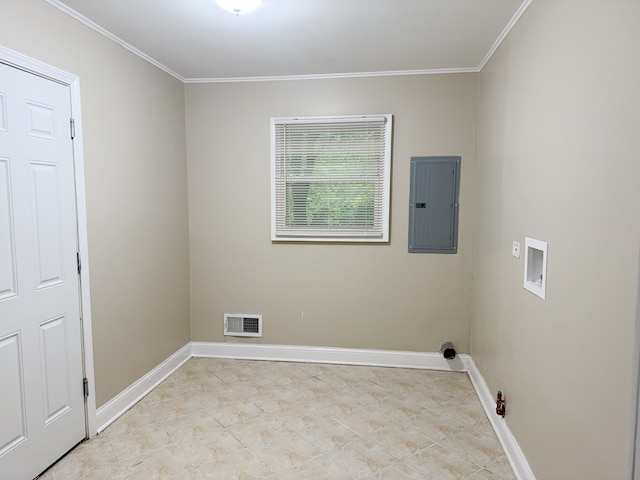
x: 36, y: 67
x: 633, y: 461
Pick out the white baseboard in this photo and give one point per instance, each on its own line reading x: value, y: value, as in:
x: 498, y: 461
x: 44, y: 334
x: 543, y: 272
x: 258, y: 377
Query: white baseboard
x: 118, y: 405
x: 345, y: 356
x: 507, y: 440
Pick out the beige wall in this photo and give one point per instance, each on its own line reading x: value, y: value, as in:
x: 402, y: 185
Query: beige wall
x: 558, y: 159
x: 134, y: 150
x: 361, y: 296
x: 557, y: 153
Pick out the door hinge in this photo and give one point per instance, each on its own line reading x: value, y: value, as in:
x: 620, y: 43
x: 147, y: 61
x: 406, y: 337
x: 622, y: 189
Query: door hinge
x: 78, y: 262
x: 72, y: 125
x: 85, y: 387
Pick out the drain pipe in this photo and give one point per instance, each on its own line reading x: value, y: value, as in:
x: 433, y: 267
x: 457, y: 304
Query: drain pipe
x: 448, y: 351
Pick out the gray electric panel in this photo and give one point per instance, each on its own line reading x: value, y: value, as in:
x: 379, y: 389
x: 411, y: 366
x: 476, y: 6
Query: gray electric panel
x: 433, y: 208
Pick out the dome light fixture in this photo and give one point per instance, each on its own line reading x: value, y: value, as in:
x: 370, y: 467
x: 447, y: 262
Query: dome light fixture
x: 239, y: 7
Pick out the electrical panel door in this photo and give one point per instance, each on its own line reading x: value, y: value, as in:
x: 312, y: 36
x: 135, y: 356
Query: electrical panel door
x: 433, y: 208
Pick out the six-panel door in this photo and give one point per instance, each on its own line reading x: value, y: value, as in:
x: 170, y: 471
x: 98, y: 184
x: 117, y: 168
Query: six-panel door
x: 42, y: 412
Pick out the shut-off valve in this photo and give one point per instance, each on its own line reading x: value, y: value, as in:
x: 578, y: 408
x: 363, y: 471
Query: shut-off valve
x: 501, y: 407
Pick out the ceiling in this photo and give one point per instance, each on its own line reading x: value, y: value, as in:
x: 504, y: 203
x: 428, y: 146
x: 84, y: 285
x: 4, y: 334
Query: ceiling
x: 195, y: 40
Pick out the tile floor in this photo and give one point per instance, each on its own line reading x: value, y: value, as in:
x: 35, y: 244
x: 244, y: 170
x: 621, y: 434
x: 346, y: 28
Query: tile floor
x: 235, y: 419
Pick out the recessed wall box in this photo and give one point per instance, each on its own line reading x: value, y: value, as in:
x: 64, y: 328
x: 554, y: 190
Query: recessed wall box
x: 535, y: 267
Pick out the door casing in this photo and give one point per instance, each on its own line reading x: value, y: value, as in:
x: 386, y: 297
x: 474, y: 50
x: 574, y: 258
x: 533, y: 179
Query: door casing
x: 633, y: 463
x: 28, y: 64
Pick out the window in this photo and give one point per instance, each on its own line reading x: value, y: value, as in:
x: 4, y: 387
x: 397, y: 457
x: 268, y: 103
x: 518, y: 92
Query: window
x: 330, y: 178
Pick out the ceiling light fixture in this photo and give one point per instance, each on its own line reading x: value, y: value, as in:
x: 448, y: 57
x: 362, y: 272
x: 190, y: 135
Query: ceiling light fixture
x: 239, y: 7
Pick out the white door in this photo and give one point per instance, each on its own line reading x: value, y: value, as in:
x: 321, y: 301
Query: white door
x: 42, y: 412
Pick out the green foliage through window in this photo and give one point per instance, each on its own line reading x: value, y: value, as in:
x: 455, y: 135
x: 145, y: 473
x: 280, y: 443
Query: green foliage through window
x: 331, y: 177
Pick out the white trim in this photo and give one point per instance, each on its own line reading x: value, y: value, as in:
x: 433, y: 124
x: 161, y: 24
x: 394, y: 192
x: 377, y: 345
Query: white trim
x: 343, y: 356
x: 36, y: 67
x: 83, y: 249
x: 102, y: 31
x: 504, y: 33
x: 118, y: 405
x: 535, y: 269
x: 270, y: 78
x: 507, y: 440
x: 114, y: 38
x: 28, y: 64
x: 378, y: 151
x: 633, y: 454
x: 326, y: 76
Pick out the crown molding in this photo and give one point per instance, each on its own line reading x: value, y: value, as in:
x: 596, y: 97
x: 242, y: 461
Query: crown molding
x: 326, y: 76
x: 505, y: 32
x: 94, y: 26
x: 273, y: 78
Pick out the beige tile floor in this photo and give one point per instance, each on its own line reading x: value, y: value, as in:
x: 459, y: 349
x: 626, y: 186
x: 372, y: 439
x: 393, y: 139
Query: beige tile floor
x: 236, y: 419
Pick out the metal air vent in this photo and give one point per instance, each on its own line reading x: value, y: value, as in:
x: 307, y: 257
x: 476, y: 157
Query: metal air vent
x: 242, y: 325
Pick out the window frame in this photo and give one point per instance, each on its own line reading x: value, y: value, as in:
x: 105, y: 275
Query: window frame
x: 379, y: 234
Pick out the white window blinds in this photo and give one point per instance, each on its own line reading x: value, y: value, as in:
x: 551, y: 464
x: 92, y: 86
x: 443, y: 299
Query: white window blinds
x: 330, y: 178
